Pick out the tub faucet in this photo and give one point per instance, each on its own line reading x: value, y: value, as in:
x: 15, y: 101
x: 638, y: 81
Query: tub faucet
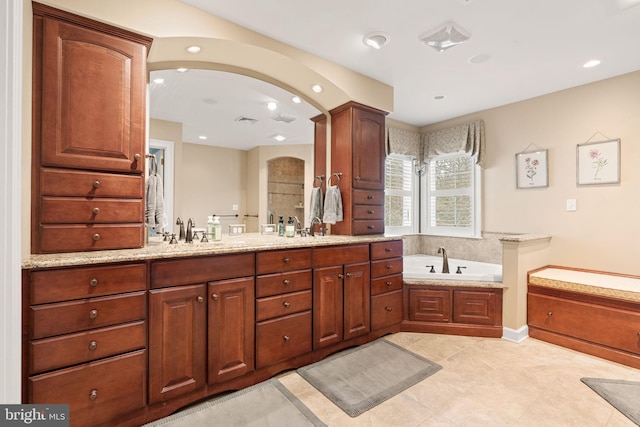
x: 445, y: 260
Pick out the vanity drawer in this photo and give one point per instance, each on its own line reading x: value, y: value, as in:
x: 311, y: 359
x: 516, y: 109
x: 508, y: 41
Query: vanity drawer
x: 368, y: 211
x: 279, y: 283
x: 61, y: 210
x: 386, y: 310
x: 383, y: 250
x: 285, y: 260
x: 61, y: 285
x: 66, y: 350
x: 340, y: 255
x: 363, y: 227
x: 61, y: 318
x: 61, y: 182
x: 386, y: 267
x: 80, y: 238
x: 283, y: 338
x: 201, y: 269
x: 281, y: 305
x: 97, y: 392
x: 368, y: 197
x: 386, y: 284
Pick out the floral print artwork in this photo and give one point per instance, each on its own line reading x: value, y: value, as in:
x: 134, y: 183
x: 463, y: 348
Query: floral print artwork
x: 598, y: 162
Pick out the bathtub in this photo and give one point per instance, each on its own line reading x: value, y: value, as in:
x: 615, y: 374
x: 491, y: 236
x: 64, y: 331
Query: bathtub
x: 415, y: 267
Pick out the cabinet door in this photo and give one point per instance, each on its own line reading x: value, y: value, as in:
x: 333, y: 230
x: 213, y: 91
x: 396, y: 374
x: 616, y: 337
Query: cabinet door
x: 368, y: 149
x: 327, y: 306
x: 430, y: 305
x: 231, y: 328
x: 357, y: 302
x: 475, y: 307
x: 177, y: 334
x: 93, y: 103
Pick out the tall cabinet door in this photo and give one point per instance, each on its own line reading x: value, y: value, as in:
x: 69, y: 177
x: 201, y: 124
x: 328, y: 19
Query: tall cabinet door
x: 327, y: 306
x: 231, y: 328
x: 368, y: 149
x: 177, y: 347
x: 357, y: 304
x: 93, y: 110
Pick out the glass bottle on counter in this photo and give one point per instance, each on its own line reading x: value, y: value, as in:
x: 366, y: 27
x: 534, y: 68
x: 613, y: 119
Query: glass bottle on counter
x: 290, y: 230
x: 217, y: 229
x: 210, y: 228
x: 281, y: 226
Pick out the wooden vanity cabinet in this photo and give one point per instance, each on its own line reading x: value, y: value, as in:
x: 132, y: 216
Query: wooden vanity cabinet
x: 341, y: 294
x: 198, y: 305
x: 357, y: 152
x: 85, y: 346
x: 386, y: 286
x: 283, y: 305
x: 89, y: 85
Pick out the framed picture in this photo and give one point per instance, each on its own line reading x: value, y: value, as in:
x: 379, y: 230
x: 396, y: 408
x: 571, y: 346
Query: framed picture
x: 532, y: 169
x: 598, y: 162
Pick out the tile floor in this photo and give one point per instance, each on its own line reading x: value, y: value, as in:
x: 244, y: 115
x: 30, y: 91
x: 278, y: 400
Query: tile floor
x: 486, y: 382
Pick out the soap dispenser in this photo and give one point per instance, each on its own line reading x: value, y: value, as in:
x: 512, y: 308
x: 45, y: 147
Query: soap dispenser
x: 290, y: 230
x: 217, y: 229
x: 210, y: 228
x: 280, y: 226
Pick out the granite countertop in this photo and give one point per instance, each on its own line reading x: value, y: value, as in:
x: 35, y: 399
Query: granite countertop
x: 455, y: 283
x: 158, y: 249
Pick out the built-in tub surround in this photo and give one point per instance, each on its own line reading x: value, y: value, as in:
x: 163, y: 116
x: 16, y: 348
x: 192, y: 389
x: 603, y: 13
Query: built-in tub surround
x: 485, y: 249
x: 429, y: 268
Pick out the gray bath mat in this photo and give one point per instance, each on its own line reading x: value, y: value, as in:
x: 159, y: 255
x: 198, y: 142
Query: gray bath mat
x: 622, y: 395
x: 265, y: 404
x: 360, y: 378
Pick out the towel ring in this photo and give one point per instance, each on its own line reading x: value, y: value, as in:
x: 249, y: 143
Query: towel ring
x: 321, y: 178
x: 337, y: 175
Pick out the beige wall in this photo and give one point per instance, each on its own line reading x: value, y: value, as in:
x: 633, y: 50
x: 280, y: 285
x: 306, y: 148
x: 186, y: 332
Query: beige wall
x: 604, y: 232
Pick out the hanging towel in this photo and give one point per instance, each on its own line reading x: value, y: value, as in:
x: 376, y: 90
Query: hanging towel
x: 154, y: 214
x: 315, y: 207
x: 161, y: 217
x: 332, y: 205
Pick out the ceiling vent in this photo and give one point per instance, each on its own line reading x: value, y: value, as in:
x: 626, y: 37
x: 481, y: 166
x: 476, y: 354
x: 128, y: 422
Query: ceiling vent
x: 445, y: 37
x: 284, y: 118
x: 244, y: 119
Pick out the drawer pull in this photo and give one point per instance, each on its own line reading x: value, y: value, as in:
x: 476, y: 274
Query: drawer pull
x: 93, y: 282
x: 96, y: 184
x: 349, y: 275
x: 93, y: 314
x: 214, y: 297
x: 370, y: 211
x: 286, y: 338
x: 389, y: 284
x: 199, y: 299
x: 286, y: 260
x: 370, y: 197
x: 389, y: 267
x: 93, y: 395
x: 388, y: 308
x: 96, y: 237
x: 370, y: 227
x: 93, y: 345
x: 287, y: 304
x: 95, y: 211
x: 136, y: 156
x: 387, y: 249
x: 549, y: 313
x: 286, y: 282
x: 357, y: 178
x: 340, y: 276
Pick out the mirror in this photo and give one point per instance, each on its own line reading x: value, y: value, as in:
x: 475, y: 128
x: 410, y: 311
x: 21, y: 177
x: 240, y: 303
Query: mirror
x: 224, y: 136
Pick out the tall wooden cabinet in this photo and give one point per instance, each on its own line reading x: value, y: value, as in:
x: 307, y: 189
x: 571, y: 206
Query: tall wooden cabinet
x: 89, y: 82
x: 358, y: 154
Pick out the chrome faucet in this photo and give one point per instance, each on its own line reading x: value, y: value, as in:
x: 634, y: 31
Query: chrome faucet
x: 445, y: 260
x: 299, y: 226
x: 180, y: 223
x: 189, y: 237
x: 314, y: 220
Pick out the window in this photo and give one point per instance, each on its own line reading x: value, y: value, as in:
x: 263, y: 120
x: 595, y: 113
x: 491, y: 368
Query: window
x: 453, y: 196
x: 399, y: 195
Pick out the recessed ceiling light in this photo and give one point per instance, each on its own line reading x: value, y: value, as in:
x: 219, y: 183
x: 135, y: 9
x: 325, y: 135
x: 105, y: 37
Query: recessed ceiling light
x: 194, y: 49
x: 438, y: 97
x: 158, y: 80
x: 376, y: 40
x: 271, y: 106
x: 296, y: 99
x: 316, y: 88
x: 592, y: 63
x: 202, y: 137
x: 278, y: 137
x: 182, y: 70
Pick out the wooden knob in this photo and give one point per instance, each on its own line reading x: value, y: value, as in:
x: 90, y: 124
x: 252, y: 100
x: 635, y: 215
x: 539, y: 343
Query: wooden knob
x: 96, y: 184
x: 93, y: 345
x: 93, y: 314
x: 96, y: 237
x: 93, y: 282
x: 199, y: 299
x: 388, y: 308
x: 214, y: 297
x: 287, y: 304
x: 286, y: 338
x: 95, y: 211
x: 93, y: 395
x: 286, y: 282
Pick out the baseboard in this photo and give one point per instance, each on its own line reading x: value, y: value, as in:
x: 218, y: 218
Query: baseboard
x: 515, y: 335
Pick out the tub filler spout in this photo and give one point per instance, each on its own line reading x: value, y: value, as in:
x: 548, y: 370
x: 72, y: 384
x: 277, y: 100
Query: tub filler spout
x: 445, y: 260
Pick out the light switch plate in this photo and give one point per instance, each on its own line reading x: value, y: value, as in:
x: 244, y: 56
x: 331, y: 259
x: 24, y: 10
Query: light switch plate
x: 571, y: 205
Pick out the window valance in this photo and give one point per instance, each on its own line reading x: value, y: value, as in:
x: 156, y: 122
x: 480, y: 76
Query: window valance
x: 466, y: 137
